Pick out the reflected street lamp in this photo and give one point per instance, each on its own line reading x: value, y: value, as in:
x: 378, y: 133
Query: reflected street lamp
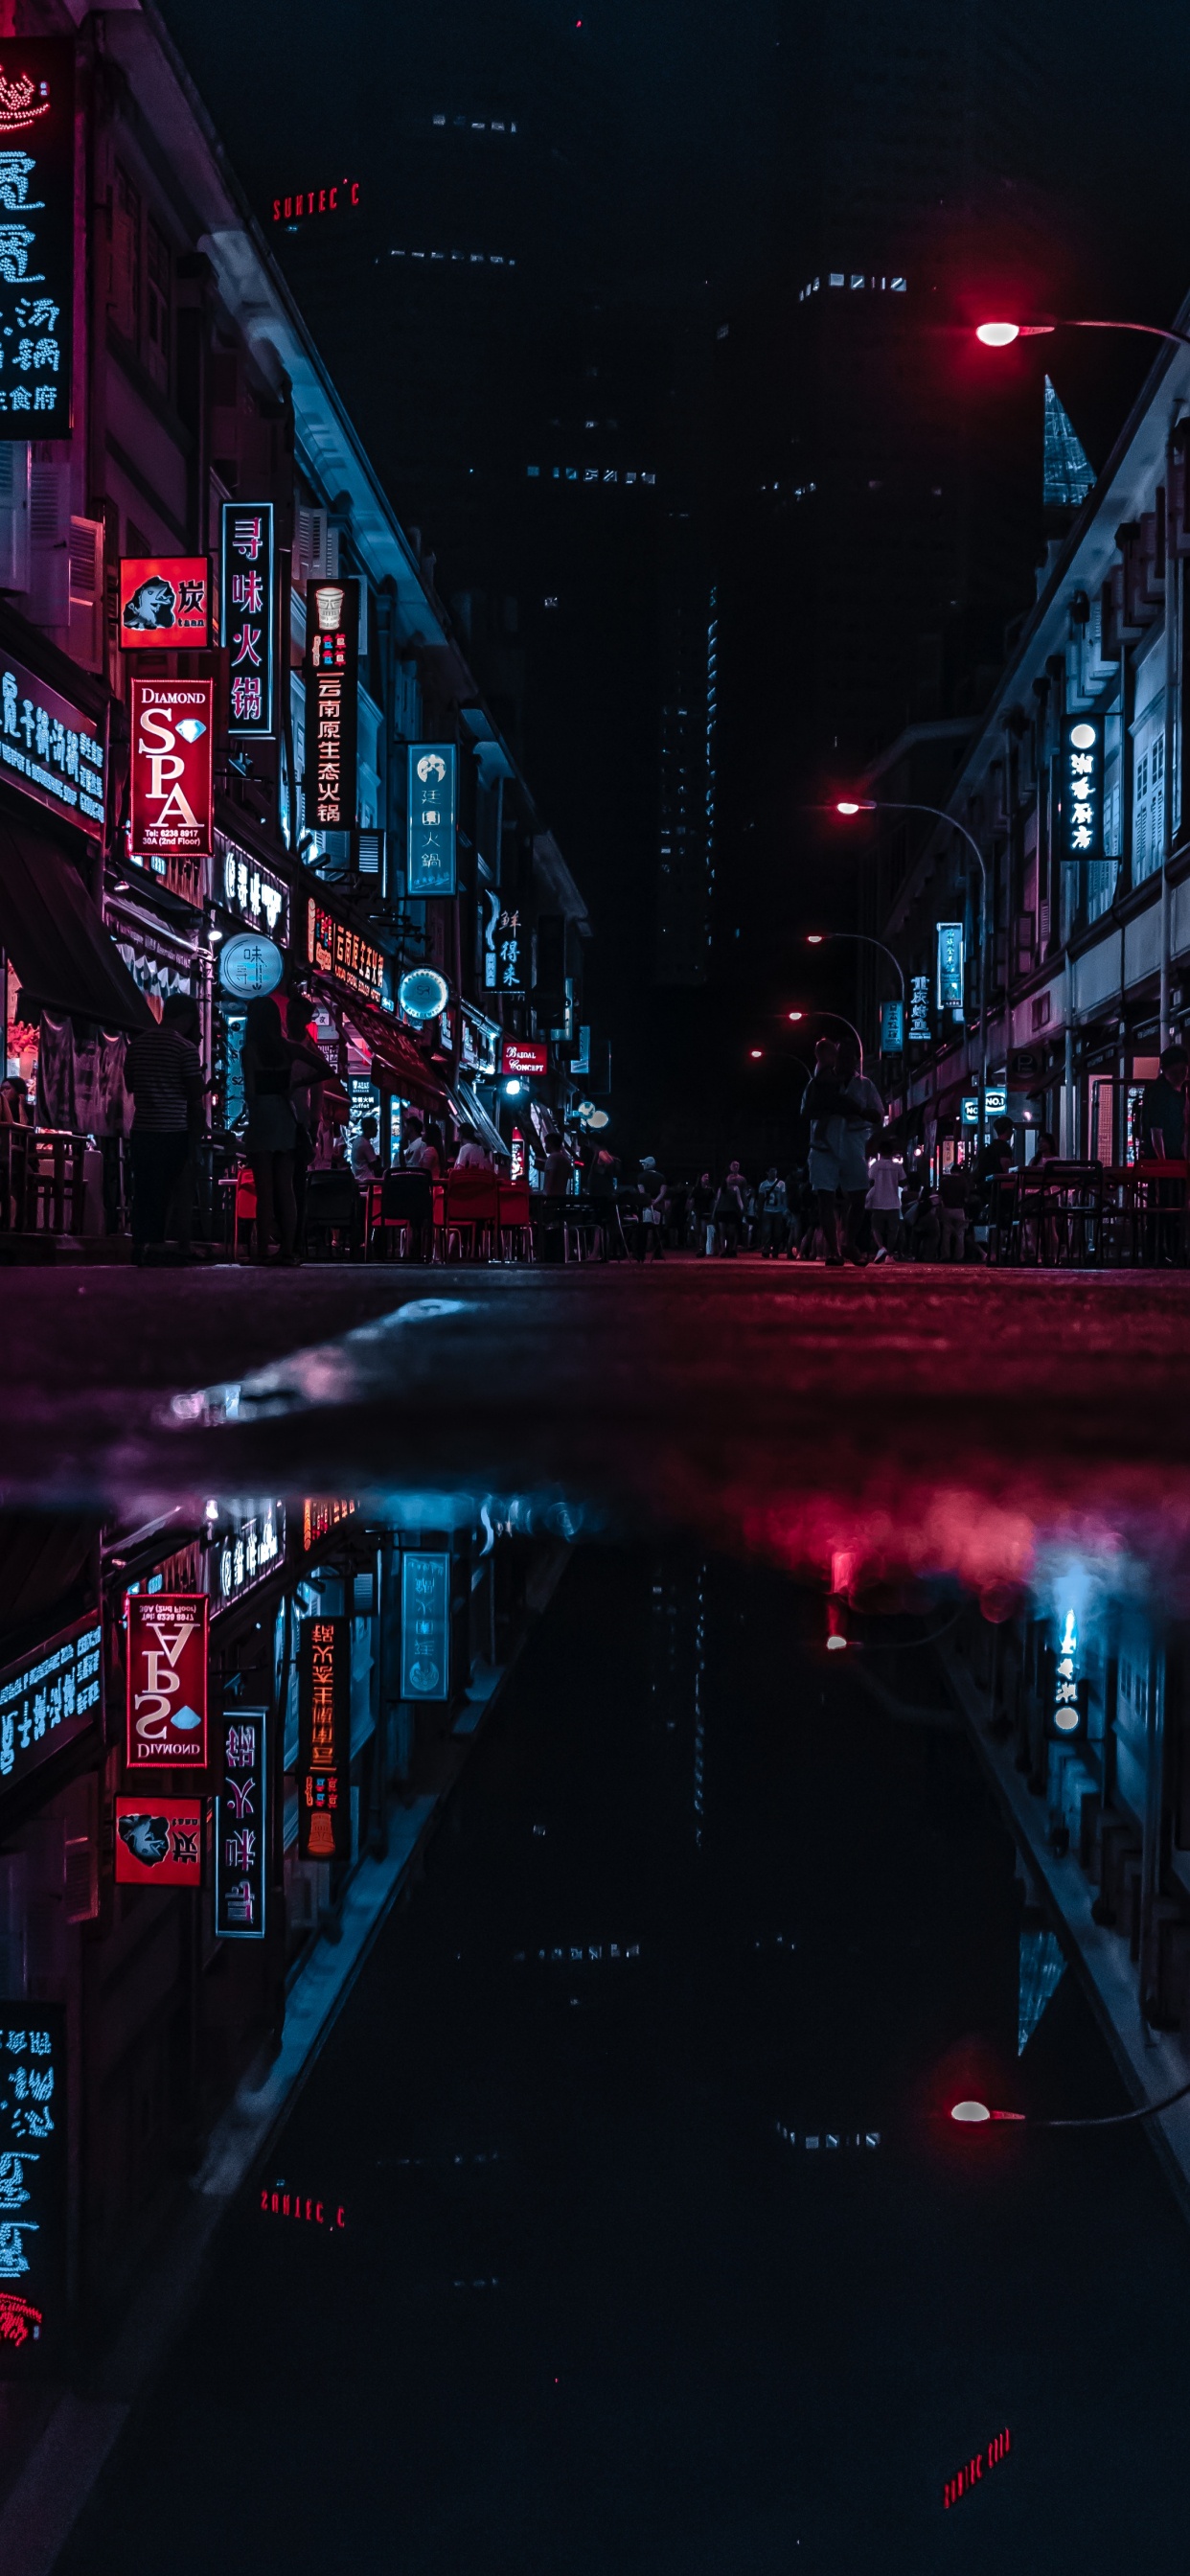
x: 849, y: 805
x: 975, y: 2114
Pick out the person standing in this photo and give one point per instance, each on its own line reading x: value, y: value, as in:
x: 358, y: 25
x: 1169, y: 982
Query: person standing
x: 651, y: 1192
x: 702, y: 1214
x: 306, y: 1098
x: 863, y: 1111
x: 884, y: 1199
x: 269, y: 1060
x: 954, y: 1195
x: 774, y: 1217
x: 163, y: 1072
x: 728, y: 1211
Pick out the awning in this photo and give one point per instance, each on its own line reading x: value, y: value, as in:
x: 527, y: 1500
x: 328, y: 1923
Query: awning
x: 55, y: 938
x: 472, y: 1109
x: 398, y: 1057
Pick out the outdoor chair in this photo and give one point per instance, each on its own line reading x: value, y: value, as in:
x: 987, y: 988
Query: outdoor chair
x: 400, y: 1216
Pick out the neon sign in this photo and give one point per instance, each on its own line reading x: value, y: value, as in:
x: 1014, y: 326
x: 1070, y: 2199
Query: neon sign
x: 324, y: 1711
x: 246, y: 614
x: 1068, y: 1708
x: 32, y: 2174
x: 341, y: 953
x: 336, y: 200
x: 332, y: 672
x: 425, y: 1624
x: 290, y: 2204
x: 37, y: 236
x: 241, y: 1825
x: 1082, y: 787
x: 433, y: 793
x: 972, y: 2470
x: 49, y: 1699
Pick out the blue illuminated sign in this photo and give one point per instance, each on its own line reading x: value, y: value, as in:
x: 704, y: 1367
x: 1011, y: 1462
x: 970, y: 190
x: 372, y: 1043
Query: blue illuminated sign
x: 892, y: 1028
x: 33, y: 2182
x: 425, y: 1624
x: 433, y: 803
x: 950, y: 966
x: 248, y: 966
x: 241, y: 1824
x: 1082, y: 787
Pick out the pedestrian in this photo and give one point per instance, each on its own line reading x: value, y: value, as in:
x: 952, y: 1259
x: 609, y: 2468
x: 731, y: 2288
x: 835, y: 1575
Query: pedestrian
x: 702, y: 1215
x: 163, y: 1072
x: 884, y: 1199
x: 728, y: 1211
x: 306, y: 1100
x: 1163, y: 1108
x: 365, y: 1161
x: 269, y: 1059
x: 651, y: 1193
x: 954, y: 1196
x: 774, y: 1215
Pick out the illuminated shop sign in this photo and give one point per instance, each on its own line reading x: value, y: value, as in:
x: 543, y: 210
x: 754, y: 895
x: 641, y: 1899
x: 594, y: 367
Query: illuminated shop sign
x: 503, y: 949
x: 246, y: 597
x: 997, y: 1104
x: 949, y: 984
x: 320, y: 1518
x: 324, y: 1739
x: 972, y: 2472
x: 1068, y: 1712
x: 49, y: 747
x: 159, y: 1844
x: 171, y: 795
x: 251, y: 1550
x: 167, y: 1681
x: 425, y: 1624
x: 249, y: 966
x: 165, y: 602
x: 481, y: 1044
x: 892, y: 1027
x: 920, y: 1031
x: 339, y: 199
x: 529, y: 1057
x: 340, y: 952
x: 37, y: 236
x: 49, y: 1699
x: 1082, y: 787
x: 332, y: 687
x: 243, y: 887
x: 33, y: 2184
x: 433, y: 798
x: 241, y: 1825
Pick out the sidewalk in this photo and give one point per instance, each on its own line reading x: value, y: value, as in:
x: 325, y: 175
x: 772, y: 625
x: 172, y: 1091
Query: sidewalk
x: 1151, y: 2063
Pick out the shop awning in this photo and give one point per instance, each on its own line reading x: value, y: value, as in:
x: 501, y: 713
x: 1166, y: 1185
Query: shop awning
x: 397, y: 1055
x: 55, y: 939
x: 472, y: 1109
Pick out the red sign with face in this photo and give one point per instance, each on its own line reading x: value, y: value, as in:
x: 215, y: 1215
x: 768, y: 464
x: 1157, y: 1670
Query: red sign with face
x: 172, y: 804
x: 159, y: 1842
x: 165, y: 601
x: 167, y: 1681
x: 525, y: 1056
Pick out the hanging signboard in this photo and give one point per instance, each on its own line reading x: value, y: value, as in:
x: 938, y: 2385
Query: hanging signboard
x: 159, y: 1844
x: 949, y: 985
x: 167, y: 1681
x: 241, y: 1825
x: 249, y: 966
x: 171, y: 810
x: 246, y: 614
x: 165, y: 602
x: 340, y: 952
x: 33, y: 2182
x: 37, y: 235
x: 503, y: 948
x: 252, y: 1549
x: 529, y: 1057
x: 324, y: 1739
x: 425, y: 1624
x: 243, y: 887
x: 892, y: 1027
x: 49, y: 1699
x: 920, y: 1031
x: 433, y: 799
x: 1082, y: 787
x: 332, y: 689
x: 49, y: 747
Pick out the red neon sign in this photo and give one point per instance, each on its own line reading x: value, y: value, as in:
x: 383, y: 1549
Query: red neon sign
x: 317, y: 201
x: 971, y: 2473
x: 525, y: 1056
x: 289, y: 2204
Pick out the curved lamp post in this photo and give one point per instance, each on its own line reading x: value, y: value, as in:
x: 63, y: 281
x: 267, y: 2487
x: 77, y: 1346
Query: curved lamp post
x: 1000, y: 335
x: 973, y: 2114
x: 818, y: 939
x: 849, y: 805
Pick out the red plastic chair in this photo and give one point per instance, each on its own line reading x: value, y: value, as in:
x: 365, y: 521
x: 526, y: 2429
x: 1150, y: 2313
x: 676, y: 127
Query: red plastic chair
x: 471, y: 1214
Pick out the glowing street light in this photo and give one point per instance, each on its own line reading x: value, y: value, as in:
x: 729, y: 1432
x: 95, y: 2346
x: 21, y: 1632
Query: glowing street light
x: 974, y: 2114
x: 795, y: 1015
x: 900, y: 805
x: 814, y: 938
x: 1000, y: 335
x: 756, y: 1054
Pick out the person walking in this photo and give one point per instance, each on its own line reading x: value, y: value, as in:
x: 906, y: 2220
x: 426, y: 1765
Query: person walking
x: 884, y: 1199
x: 954, y: 1195
x: 651, y: 1192
x: 774, y: 1215
x: 728, y: 1210
x: 306, y: 1101
x: 269, y: 1059
x: 702, y: 1215
x: 163, y: 1072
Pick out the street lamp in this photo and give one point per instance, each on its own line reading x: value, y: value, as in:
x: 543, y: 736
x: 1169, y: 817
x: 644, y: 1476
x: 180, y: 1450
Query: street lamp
x: 818, y: 938
x: 974, y: 2114
x: 849, y: 805
x: 1000, y: 335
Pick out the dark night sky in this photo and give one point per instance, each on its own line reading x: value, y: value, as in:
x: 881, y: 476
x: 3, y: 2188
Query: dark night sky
x: 667, y: 152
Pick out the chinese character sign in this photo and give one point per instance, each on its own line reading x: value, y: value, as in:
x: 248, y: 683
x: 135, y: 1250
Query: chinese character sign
x: 36, y: 236
x: 246, y: 614
x: 241, y: 1825
x: 248, y: 890
x: 167, y: 1681
x: 892, y: 1028
x: 324, y: 1739
x: 251, y: 1549
x: 1066, y: 1716
x: 165, y: 601
x: 159, y: 1844
x: 171, y: 796
x: 425, y: 1624
x: 433, y: 797
x: 49, y: 1699
x: 332, y: 678
x: 1082, y: 787
x: 338, y: 951
x: 47, y: 746
x: 32, y: 2182
x: 950, y: 965
x: 503, y: 948
x: 920, y: 1032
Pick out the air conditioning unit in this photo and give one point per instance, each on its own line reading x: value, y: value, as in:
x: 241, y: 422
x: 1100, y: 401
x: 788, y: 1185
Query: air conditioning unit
x: 317, y: 547
x: 14, y: 514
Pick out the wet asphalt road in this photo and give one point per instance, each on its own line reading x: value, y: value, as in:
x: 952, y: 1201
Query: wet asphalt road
x: 590, y: 2313
x: 946, y: 1415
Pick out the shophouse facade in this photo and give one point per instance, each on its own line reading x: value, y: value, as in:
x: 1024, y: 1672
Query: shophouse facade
x: 1072, y: 785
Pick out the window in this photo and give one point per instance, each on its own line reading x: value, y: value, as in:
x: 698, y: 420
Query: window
x: 157, y: 306
x: 124, y: 295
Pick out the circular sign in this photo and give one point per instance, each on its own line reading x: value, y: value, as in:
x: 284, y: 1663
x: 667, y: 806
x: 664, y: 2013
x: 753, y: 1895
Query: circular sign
x: 250, y: 966
x: 423, y: 993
